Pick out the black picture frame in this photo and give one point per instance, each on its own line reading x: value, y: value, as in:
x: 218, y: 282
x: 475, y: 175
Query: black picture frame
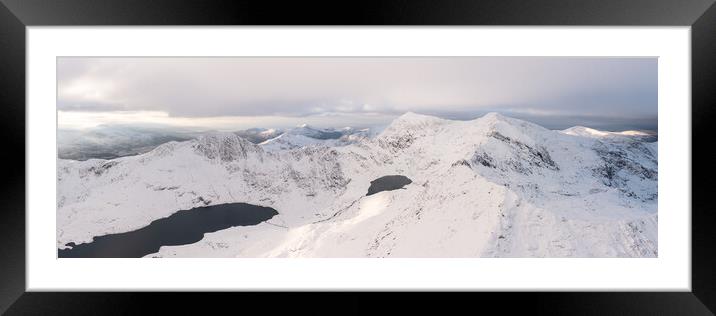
x: 16, y: 15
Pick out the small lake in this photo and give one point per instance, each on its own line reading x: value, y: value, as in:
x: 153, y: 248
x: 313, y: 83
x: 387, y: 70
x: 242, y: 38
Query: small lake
x: 388, y: 183
x: 181, y: 228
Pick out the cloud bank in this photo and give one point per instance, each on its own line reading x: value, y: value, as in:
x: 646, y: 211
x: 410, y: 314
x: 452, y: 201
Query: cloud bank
x: 203, y: 90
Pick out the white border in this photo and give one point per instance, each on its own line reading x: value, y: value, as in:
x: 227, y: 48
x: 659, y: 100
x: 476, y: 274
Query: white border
x: 671, y: 271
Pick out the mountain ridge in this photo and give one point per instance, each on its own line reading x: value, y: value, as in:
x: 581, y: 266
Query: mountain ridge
x: 507, y: 182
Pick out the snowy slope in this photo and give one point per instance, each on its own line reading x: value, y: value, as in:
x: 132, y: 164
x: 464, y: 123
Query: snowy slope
x: 490, y: 187
x: 290, y: 141
x: 615, y: 136
x: 304, y: 136
x: 258, y: 135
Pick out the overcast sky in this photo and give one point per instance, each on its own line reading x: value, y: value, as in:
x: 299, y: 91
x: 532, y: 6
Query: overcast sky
x: 238, y: 93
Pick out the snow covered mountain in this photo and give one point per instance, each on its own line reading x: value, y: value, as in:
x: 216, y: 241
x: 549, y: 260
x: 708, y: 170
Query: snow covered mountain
x: 258, y: 135
x: 490, y: 187
x: 625, y: 135
x: 113, y: 141
x: 305, y: 135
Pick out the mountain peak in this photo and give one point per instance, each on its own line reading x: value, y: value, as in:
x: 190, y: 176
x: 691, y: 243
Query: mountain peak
x: 226, y: 146
x: 584, y: 131
x: 219, y: 137
x: 409, y: 116
x: 412, y: 118
x: 494, y: 116
x: 410, y: 121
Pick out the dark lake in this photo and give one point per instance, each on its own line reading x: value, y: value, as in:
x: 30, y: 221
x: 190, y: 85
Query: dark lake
x: 388, y: 183
x: 181, y: 228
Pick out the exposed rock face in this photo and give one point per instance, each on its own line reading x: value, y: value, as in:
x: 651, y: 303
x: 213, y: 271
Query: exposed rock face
x: 225, y: 146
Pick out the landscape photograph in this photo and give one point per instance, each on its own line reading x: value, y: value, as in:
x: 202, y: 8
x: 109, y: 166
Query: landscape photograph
x: 357, y: 157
